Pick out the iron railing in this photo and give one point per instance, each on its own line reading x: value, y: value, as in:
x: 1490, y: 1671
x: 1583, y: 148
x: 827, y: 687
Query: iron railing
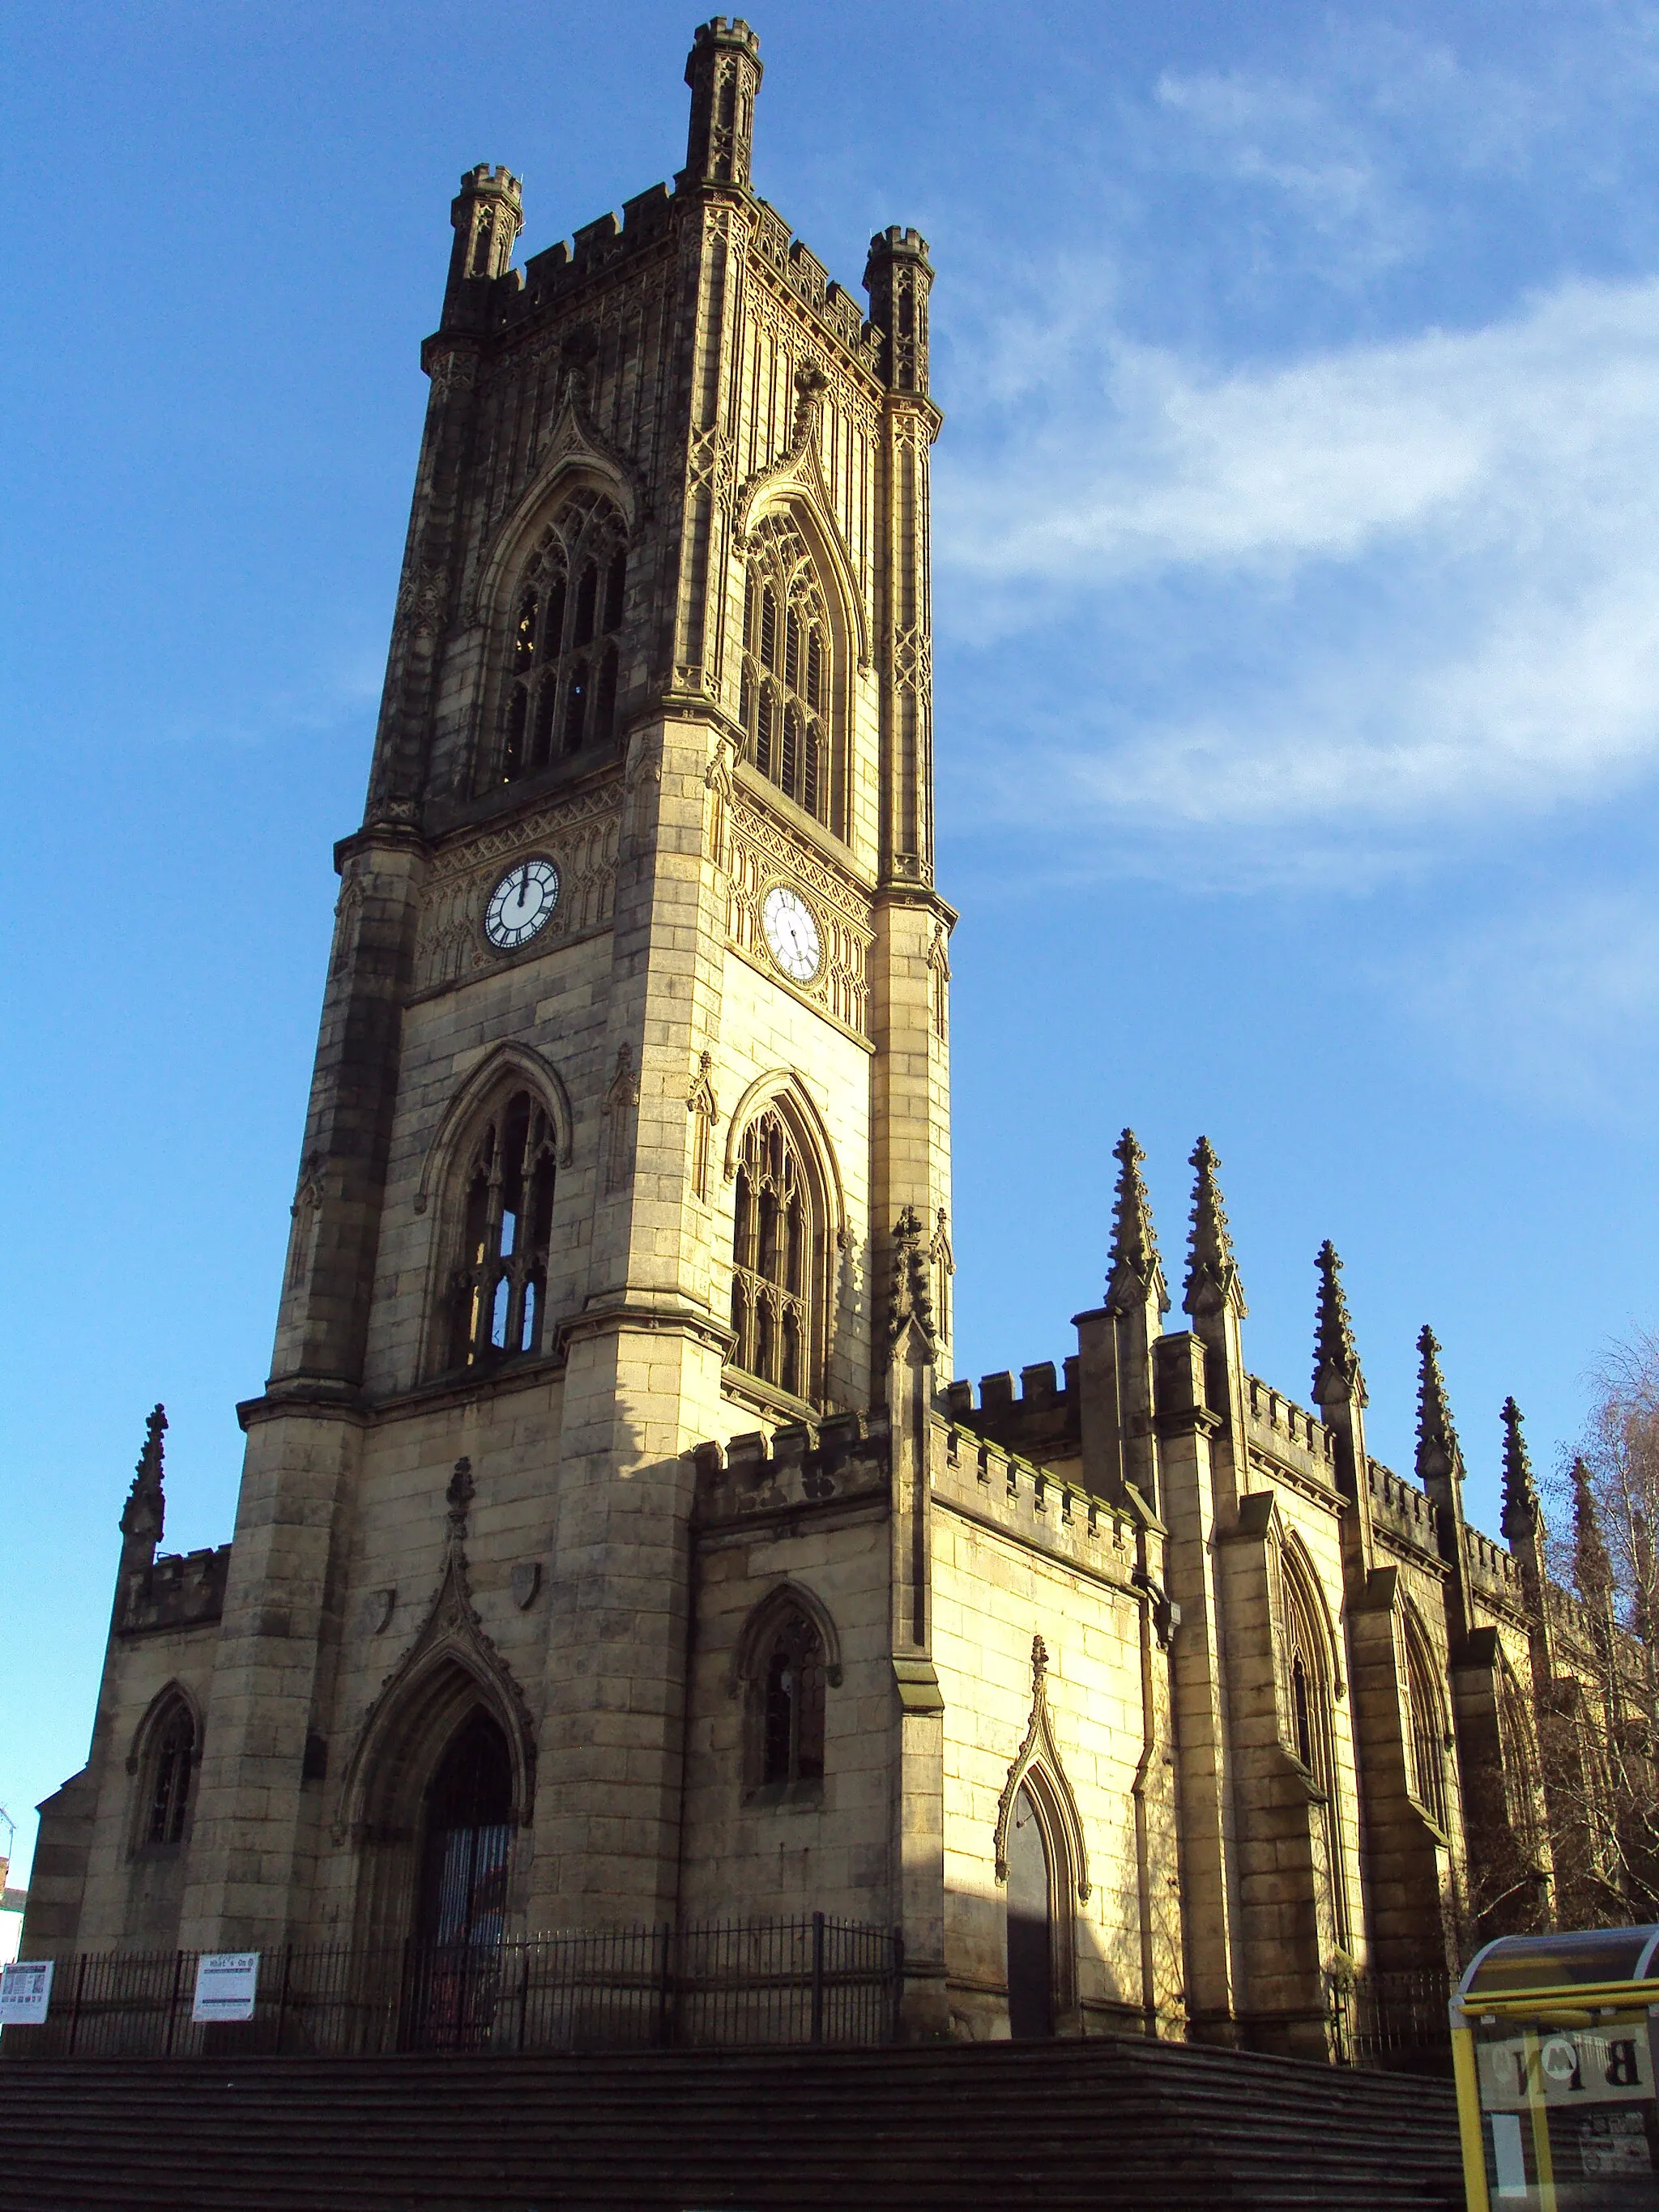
x: 1394, y: 2022
x: 708, y: 1983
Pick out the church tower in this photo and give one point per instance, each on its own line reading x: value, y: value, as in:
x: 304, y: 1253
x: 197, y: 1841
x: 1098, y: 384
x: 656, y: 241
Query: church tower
x: 631, y: 1107
x: 633, y: 1054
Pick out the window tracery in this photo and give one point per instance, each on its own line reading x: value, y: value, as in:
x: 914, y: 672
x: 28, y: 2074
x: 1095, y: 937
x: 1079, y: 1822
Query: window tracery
x: 562, y: 649
x: 168, y: 1776
x: 789, y: 1707
x: 499, y: 1290
x: 1428, y: 1732
x: 777, y: 1256
x: 784, y: 704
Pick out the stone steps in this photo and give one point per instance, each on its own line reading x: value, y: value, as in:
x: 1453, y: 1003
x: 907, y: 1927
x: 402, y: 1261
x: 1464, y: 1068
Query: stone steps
x: 1117, y: 2123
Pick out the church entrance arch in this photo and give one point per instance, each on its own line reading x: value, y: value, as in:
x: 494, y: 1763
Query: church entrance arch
x: 460, y: 1898
x: 1031, y: 1923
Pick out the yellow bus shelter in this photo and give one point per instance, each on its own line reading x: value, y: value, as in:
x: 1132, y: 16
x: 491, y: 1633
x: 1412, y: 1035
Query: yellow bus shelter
x: 1553, y: 2044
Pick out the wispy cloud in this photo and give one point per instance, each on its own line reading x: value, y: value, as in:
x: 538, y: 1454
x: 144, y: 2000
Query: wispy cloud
x: 1454, y: 539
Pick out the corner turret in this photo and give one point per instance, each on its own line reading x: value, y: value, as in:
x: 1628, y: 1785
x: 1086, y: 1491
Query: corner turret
x: 724, y: 72
x: 488, y: 215
x: 899, y: 279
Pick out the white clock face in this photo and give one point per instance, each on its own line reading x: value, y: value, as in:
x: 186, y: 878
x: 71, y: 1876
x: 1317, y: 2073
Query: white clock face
x: 792, y: 932
x: 522, y: 904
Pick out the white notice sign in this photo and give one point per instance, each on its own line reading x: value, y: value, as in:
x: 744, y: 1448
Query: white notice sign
x: 226, y: 1983
x: 25, y: 1992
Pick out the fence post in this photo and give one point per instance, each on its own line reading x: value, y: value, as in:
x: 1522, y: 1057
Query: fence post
x: 665, y: 1940
x: 818, y: 1977
x: 75, y: 2003
x: 523, y: 1988
x: 898, y: 1983
x: 282, y: 1995
x: 173, y: 1999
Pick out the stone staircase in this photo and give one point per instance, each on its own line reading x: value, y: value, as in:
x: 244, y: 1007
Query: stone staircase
x: 1113, y: 2124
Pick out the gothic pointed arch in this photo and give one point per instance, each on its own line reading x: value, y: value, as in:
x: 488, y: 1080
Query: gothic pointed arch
x: 788, y: 1597
x: 163, y: 1758
x: 552, y: 601
x: 1428, y: 1725
x: 489, y: 1180
x: 1040, y: 1770
x: 575, y: 458
x: 1299, y: 1563
x: 783, y: 1085
x: 788, y: 1224
x: 450, y: 1670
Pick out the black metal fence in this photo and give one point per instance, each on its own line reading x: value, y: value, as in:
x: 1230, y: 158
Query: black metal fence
x: 709, y: 1984
x: 1391, y: 2022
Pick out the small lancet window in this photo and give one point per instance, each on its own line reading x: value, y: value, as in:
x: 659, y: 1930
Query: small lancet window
x: 500, y: 1286
x: 1428, y: 1752
x: 791, y: 1704
x: 172, y: 1761
x: 784, y: 688
x: 574, y: 597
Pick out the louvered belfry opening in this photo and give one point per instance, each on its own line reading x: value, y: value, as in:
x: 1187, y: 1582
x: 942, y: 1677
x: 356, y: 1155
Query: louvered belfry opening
x: 785, y: 704
x: 462, y: 1897
x: 562, y: 648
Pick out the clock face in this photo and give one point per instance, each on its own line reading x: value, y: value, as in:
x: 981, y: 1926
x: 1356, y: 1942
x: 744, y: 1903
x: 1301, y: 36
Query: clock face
x: 522, y: 904
x: 792, y: 932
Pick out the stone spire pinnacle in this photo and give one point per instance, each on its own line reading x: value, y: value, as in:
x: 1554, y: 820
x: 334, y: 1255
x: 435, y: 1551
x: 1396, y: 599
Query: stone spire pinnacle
x: 1212, y: 1272
x: 144, y: 1512
x: 1440, y: 1455
x: 1592, y: 1570
x: 1521, y: 1508
x: 1137, y: 1271
x: 1336, y: 1362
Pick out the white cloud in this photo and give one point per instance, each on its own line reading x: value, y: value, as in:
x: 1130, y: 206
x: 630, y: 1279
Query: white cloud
x: 1454, y: 539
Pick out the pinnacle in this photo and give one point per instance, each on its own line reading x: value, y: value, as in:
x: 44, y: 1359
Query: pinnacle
x: 1438, y: 1453
x: 1212, y: 1272
x: 1137, y: 1270
x: 143, y: 1514
x: 1592, y: 1570
x: 1336, y: 1362
x: 1521, y: 1508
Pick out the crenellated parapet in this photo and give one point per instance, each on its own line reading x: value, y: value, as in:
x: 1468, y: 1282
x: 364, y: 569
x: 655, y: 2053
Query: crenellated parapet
x: 846, y: 1459
x: 1038, y: 1418
x: 180, y: 1590
x: 1279, y: 1429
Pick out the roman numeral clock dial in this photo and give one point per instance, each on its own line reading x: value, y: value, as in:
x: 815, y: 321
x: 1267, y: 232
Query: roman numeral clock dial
x: 521, y: 904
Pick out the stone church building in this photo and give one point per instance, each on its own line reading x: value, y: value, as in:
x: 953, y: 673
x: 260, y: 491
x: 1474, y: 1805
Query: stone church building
x: 613, y: 1545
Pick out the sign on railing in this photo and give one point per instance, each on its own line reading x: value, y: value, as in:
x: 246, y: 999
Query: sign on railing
x: 227, y: 1984
x: 25, y: 1992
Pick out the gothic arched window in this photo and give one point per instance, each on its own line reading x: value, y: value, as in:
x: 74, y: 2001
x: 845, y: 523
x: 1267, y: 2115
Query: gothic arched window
x: 1308, y: 1669
x: 777, y: 1258
x: 785, y: 702
x: 561, y: 653
x: 1428, y: 1730
x: 791, y: 1704
x: 167, y: 1772
x: 499, y: 1288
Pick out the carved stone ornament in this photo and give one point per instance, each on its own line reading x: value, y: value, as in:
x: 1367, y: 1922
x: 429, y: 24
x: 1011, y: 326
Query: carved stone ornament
x: 459, y: 1494
x: 377, y: 1609
x: 1038, y: 1762
x: 526, y: 1581
x: 911, y: 1297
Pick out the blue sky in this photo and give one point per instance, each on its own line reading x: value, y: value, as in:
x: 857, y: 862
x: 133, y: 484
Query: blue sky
x: 1297, y: 604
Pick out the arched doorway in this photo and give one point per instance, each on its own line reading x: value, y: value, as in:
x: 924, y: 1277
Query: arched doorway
x: 460, y: 1901
x: 1031, y: 1923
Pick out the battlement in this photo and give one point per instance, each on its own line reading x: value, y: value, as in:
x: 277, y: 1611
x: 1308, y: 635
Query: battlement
x: 1402, y: 1508
x: 1028, y: 1502
x: 726, y: 31
x: 896, y: 240
x: 494, y: 177
x: 1281, y: 1429
x: 846, y: 1457
x: 1040, y: 1420
x: 178, y: 1591
x: 1491, y: 1566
